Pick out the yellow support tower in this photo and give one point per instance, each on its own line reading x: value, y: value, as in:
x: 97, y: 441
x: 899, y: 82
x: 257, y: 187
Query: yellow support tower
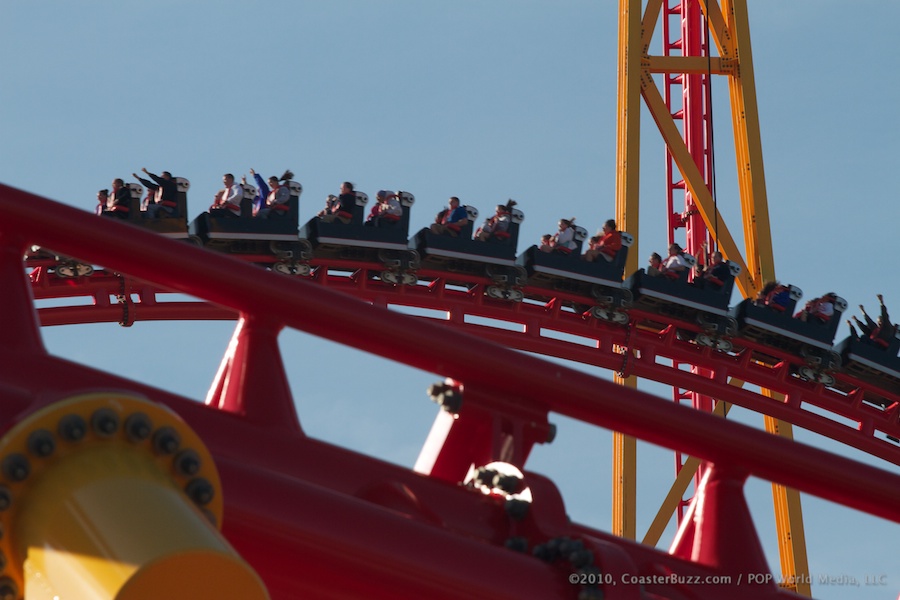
x: 624, y: 521
x: 729, y: 26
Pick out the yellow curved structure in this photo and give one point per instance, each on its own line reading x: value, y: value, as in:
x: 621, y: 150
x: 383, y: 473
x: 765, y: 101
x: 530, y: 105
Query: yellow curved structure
x: 113, y: 497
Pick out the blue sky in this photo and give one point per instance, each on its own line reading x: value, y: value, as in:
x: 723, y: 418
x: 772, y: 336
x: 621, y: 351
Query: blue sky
x: 482, y: 100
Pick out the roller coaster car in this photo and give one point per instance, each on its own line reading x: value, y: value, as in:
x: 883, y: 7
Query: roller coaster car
x: 169, y: 225
x: 386, y: 243
x: 697, y: 301
x: 776, y: 326
x: 273, y: 242
x: 494, y: 258
x: 570, y: 273
x: 873, y: 361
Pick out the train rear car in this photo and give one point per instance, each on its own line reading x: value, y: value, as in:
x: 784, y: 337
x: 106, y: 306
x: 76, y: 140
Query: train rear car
x: 874, y: 361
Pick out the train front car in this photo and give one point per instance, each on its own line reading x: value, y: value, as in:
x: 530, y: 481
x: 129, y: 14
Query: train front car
x: 873, y: 359
x: 775, y: 324
x: 460, y: 259
x: 701, y: 303
x: 574, y: 280
x: 361, y: 244
x: 272, y: 242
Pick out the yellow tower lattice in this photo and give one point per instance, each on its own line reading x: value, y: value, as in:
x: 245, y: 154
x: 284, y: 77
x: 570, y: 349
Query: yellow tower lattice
x: 728, y: 24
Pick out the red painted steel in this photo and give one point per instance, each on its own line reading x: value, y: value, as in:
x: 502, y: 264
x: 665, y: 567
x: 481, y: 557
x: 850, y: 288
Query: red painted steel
x: 319, y: 520
x: 548, y: 329
x: 687, y: 96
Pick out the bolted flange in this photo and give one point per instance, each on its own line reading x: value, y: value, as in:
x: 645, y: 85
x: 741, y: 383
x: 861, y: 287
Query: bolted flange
x: 124, y: 465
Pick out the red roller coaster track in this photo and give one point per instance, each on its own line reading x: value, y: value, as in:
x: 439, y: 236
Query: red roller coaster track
x: 548, y: 328
x: 319, y: 520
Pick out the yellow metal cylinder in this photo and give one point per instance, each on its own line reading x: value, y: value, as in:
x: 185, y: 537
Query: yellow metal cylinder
x: 105, y: 523
x: 113, y: 514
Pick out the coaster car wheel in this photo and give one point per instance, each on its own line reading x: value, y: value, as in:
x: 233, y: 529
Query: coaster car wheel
x: 496, y: 292
x: 283, y: 268
x: 73, y: 269
x: 807, y: 373
x: 409, y: 278
x: 390, y: 277
x: 598, y: 312
x: 724, y: 345
x: 826, y: 379
x: 704, y: 339
x: 500, y: 293
x: 620, y: 318
x: 291, y: 268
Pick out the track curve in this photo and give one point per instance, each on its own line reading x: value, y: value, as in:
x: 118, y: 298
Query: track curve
x: 547, y: 328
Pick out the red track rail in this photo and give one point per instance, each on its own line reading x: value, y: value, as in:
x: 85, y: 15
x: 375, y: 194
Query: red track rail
x: 314, y: 519
x: 550, y: 329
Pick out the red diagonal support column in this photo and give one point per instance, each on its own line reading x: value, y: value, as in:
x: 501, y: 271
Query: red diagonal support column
x: 484, y: 428
x: 19, y: 333
x: 719, y: 530
x: 251, y: 381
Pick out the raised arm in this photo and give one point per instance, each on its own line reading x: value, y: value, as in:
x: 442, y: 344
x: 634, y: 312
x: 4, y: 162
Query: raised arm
x: 159, y: 180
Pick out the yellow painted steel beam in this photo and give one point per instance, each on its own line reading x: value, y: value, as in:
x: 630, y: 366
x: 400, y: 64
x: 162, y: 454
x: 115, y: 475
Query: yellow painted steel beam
x: 671, y: 501
x: 718, y: 28
x: 761, y: 263
x: 628, y: 128
x: 648, y: 24
x: 789, y: 521
x: 690, y: 64
x: 693, y: 179
x: 748, y: 149
x: 628, y: 132
x: 624, y: 511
